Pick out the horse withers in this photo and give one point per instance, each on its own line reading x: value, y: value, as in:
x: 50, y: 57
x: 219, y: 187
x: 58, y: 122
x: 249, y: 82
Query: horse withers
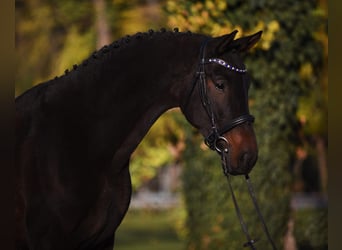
x: 75, y: 133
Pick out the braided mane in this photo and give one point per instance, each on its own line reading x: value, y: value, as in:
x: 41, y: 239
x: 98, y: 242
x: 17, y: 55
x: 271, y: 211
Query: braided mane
x: 124, y: 42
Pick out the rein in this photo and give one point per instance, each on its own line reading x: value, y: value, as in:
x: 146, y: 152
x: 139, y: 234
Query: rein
x: 250, y: 242
x: 216, y: 136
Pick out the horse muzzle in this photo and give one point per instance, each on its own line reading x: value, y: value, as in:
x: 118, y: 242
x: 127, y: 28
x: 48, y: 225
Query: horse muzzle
x: 237, y: 148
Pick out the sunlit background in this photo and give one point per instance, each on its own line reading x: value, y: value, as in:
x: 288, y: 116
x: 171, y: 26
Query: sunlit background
x: 181, y: 199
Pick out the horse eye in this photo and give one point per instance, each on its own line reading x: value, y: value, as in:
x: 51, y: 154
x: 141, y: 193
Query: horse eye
x: 219, y: 85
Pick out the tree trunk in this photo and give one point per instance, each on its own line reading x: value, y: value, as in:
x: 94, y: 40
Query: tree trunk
x: 102, y: 28
x: 322, y: 162
x: 289, y: 239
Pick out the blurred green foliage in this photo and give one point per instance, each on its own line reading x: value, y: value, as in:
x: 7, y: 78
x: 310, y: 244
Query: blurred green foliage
x: 44, y: 29
x: 311, y: 229
x: 148, y: 229
x: 159, y: 148
x: 287, y: 70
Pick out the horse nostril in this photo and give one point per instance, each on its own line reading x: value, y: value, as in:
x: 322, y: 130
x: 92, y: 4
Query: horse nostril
x: 244, y: 159
x: 247, y: 160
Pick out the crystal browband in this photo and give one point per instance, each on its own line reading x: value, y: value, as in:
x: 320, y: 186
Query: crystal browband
x: 226, y: 65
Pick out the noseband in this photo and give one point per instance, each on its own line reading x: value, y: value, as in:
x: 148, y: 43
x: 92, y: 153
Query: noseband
x: 216, y: 134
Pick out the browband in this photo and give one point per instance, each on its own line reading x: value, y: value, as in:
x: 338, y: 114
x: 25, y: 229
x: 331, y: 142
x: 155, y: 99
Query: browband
x: 226, y: 65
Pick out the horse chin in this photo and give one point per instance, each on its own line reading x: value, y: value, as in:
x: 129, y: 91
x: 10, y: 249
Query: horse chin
x: 238, y: 170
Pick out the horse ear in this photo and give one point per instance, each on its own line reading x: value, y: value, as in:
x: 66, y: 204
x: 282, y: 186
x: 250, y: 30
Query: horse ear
x: 221, y: 44
x: 245, y: 43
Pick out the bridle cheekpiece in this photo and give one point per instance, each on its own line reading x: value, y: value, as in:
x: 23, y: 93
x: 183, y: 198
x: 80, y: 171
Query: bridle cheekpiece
x: 216, y: 134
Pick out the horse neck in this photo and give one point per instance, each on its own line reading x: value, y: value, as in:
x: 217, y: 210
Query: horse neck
x: 132, y: 87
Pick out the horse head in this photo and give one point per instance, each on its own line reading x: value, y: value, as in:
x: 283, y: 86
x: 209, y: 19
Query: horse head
x: 219, y: 109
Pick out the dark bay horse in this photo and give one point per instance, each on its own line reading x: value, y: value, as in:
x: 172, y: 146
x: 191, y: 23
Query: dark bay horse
x: 75, y: 134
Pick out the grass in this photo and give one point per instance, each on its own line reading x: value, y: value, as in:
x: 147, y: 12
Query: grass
x: 146, y: 230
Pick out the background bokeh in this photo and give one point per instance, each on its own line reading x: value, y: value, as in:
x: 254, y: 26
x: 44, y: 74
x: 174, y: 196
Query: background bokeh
x: 288, y: 97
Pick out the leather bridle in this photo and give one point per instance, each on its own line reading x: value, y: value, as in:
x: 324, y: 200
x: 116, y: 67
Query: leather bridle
x: 215, y: 136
